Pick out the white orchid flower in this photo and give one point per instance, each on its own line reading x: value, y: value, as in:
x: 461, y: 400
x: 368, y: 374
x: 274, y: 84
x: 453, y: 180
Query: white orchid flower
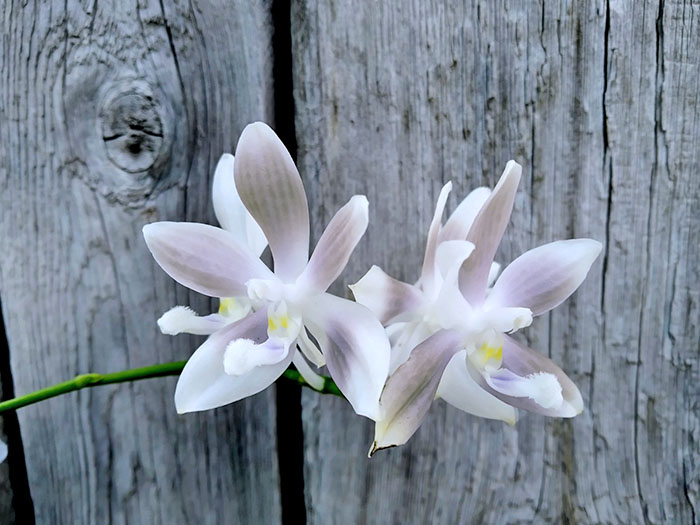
x: 449, y: 330
x: 246, y: 356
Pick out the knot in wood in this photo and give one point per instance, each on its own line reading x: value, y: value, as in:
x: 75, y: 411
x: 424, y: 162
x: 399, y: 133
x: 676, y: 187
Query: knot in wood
x: 132, y: 131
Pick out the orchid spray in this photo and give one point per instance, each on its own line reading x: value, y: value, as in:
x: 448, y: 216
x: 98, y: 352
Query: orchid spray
x: 393, y: 351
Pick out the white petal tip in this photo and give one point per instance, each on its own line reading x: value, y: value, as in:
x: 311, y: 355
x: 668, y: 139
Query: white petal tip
x: 512, y: 165
x: 360, y: 200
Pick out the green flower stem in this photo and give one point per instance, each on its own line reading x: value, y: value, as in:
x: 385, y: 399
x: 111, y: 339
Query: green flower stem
x: 135, y: 374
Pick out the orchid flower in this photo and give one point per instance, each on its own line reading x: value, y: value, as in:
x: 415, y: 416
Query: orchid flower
x: 287, y: 306
x: 449, y: 330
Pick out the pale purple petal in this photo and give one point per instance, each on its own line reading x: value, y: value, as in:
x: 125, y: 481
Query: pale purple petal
x: 355, y: 346
x: 204, y: 384
x: 543, y: 278
x: 410, y: 390
x: 486, y: 233
x: 523, y: 361
x: 182, y: 319
x: 428, y: 278
x: 203, y: 258
x: 459, y: 389
x: 385, y: 296
x: 336, y: 245
x: 270, y: 187
x: 458, y: 225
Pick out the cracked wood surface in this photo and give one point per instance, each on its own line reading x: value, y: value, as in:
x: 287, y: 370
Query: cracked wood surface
x: 599, y: 103
x: 113, y: 116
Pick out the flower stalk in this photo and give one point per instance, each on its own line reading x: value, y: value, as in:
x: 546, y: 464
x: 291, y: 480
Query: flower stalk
x: 135, y: 374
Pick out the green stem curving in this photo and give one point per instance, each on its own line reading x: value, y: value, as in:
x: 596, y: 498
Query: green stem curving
x: 135, y: 374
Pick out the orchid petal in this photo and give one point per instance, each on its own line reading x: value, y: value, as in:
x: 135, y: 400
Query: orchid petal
x: 228, y: 208
x: 355, y: 346
x: 544, y: 277
x: 454, y: 307
x: 493, y: 273
x: 450, y: 256
x: 411, y: 389
x: 458, y: 225
x: 523, y: 361
x: 385, y: 296
x: 309, y: 349
x: 182, y: 319
x: 204, y: 384
x: 411, y: 336
x: 271, y: 189
x: 3, y: 451
x: 256, y: 238
x: 336, y: 245
x: 312, y: 378
x: 428, y: 278
x: 486, y: 233
x: 203, y: 258
x: 230, y: 211
x: 459, y: 389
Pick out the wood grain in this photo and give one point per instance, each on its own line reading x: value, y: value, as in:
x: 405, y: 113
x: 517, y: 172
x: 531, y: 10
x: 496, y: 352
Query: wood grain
x: 598, y: 101
x: 113, y: 116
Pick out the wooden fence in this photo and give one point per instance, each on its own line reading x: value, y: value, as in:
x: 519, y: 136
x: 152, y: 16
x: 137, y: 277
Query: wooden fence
x: 113, y: 114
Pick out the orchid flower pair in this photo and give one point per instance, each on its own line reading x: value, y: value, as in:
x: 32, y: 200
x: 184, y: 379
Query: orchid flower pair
x: 399, y: 345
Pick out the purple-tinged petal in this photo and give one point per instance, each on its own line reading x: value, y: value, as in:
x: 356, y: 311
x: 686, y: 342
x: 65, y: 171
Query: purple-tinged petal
x: 459, y: 389
x: 544, y: 277
x: 182, y: 319
x: 355, y: 346
x: 486, y: 233
x: 203, y: 258
x: 428, y: 277
x: 410, y: 390
x: 335, y: 245
x: 385, y: 296
x: 523, y: 362
x: 270, y: 187
x: 458, y: 225
x: 204, y: 384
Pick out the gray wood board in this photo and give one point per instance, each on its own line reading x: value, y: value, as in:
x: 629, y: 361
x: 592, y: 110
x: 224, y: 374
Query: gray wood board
x: 113, y: 116
x: 599, y: 103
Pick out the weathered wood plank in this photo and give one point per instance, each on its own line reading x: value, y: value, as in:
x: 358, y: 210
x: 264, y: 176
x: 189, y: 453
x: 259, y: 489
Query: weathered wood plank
x: 113, y: 115
x: 599, y: 103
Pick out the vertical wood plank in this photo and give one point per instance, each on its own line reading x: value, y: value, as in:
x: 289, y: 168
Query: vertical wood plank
x: 393, y: 100
x: 113, y: 116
